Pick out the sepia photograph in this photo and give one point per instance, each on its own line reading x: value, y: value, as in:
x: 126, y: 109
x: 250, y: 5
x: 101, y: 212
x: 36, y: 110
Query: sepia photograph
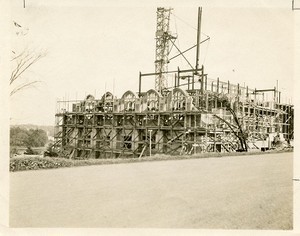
x: 158, y: 115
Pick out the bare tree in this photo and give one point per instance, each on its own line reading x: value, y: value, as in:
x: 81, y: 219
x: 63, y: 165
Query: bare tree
x: 21, y: 63
x: 236, y: 129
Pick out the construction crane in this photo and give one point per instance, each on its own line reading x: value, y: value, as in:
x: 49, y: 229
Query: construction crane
x: 163, y: 36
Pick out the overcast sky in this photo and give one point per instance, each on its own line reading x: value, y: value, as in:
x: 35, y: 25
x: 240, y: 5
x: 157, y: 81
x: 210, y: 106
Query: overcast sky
x: 96, y: 46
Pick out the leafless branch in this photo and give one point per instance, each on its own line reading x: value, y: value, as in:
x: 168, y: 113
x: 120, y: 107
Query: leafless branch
x: 23, y: 66
x: 22, y: 87
x: 16, y: 57
x: 23, y: 62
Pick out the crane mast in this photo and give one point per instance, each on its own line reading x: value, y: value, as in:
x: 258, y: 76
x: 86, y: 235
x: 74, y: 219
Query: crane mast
x: 162, y: 48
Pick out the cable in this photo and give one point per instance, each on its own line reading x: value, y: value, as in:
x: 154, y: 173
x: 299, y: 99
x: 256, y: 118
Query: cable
x: 206, y: 51
x: 188, y: 24
x: 185, y: 22
x: 183, y: 55
x: 177, y: 37
x: 205, y: 34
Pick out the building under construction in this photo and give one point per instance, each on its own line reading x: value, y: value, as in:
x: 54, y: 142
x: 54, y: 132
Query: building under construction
x: 196, y: 115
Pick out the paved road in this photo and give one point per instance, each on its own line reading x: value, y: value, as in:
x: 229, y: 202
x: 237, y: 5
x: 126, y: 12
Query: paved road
x: 246, y: 192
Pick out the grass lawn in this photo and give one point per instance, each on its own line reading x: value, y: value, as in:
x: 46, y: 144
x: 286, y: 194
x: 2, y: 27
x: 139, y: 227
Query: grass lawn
x: 240, y: 192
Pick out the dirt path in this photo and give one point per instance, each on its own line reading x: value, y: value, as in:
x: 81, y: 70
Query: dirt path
x: 248, y: 192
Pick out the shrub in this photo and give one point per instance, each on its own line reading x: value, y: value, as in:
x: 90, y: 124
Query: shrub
x: 35, y: 163
x: 13, y: 151
x: 29, y: 151
x: 50, y: 152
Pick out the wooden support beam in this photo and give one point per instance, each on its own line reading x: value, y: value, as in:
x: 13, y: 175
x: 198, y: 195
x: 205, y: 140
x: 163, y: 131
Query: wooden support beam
x: 170, y: 72
x: 140, y: 84
x: 228, y: 87
x: 279, y: 97
x: 264, y: 90
x: 178, y: 77
x: 193, y: 81
x: 202, y: 80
